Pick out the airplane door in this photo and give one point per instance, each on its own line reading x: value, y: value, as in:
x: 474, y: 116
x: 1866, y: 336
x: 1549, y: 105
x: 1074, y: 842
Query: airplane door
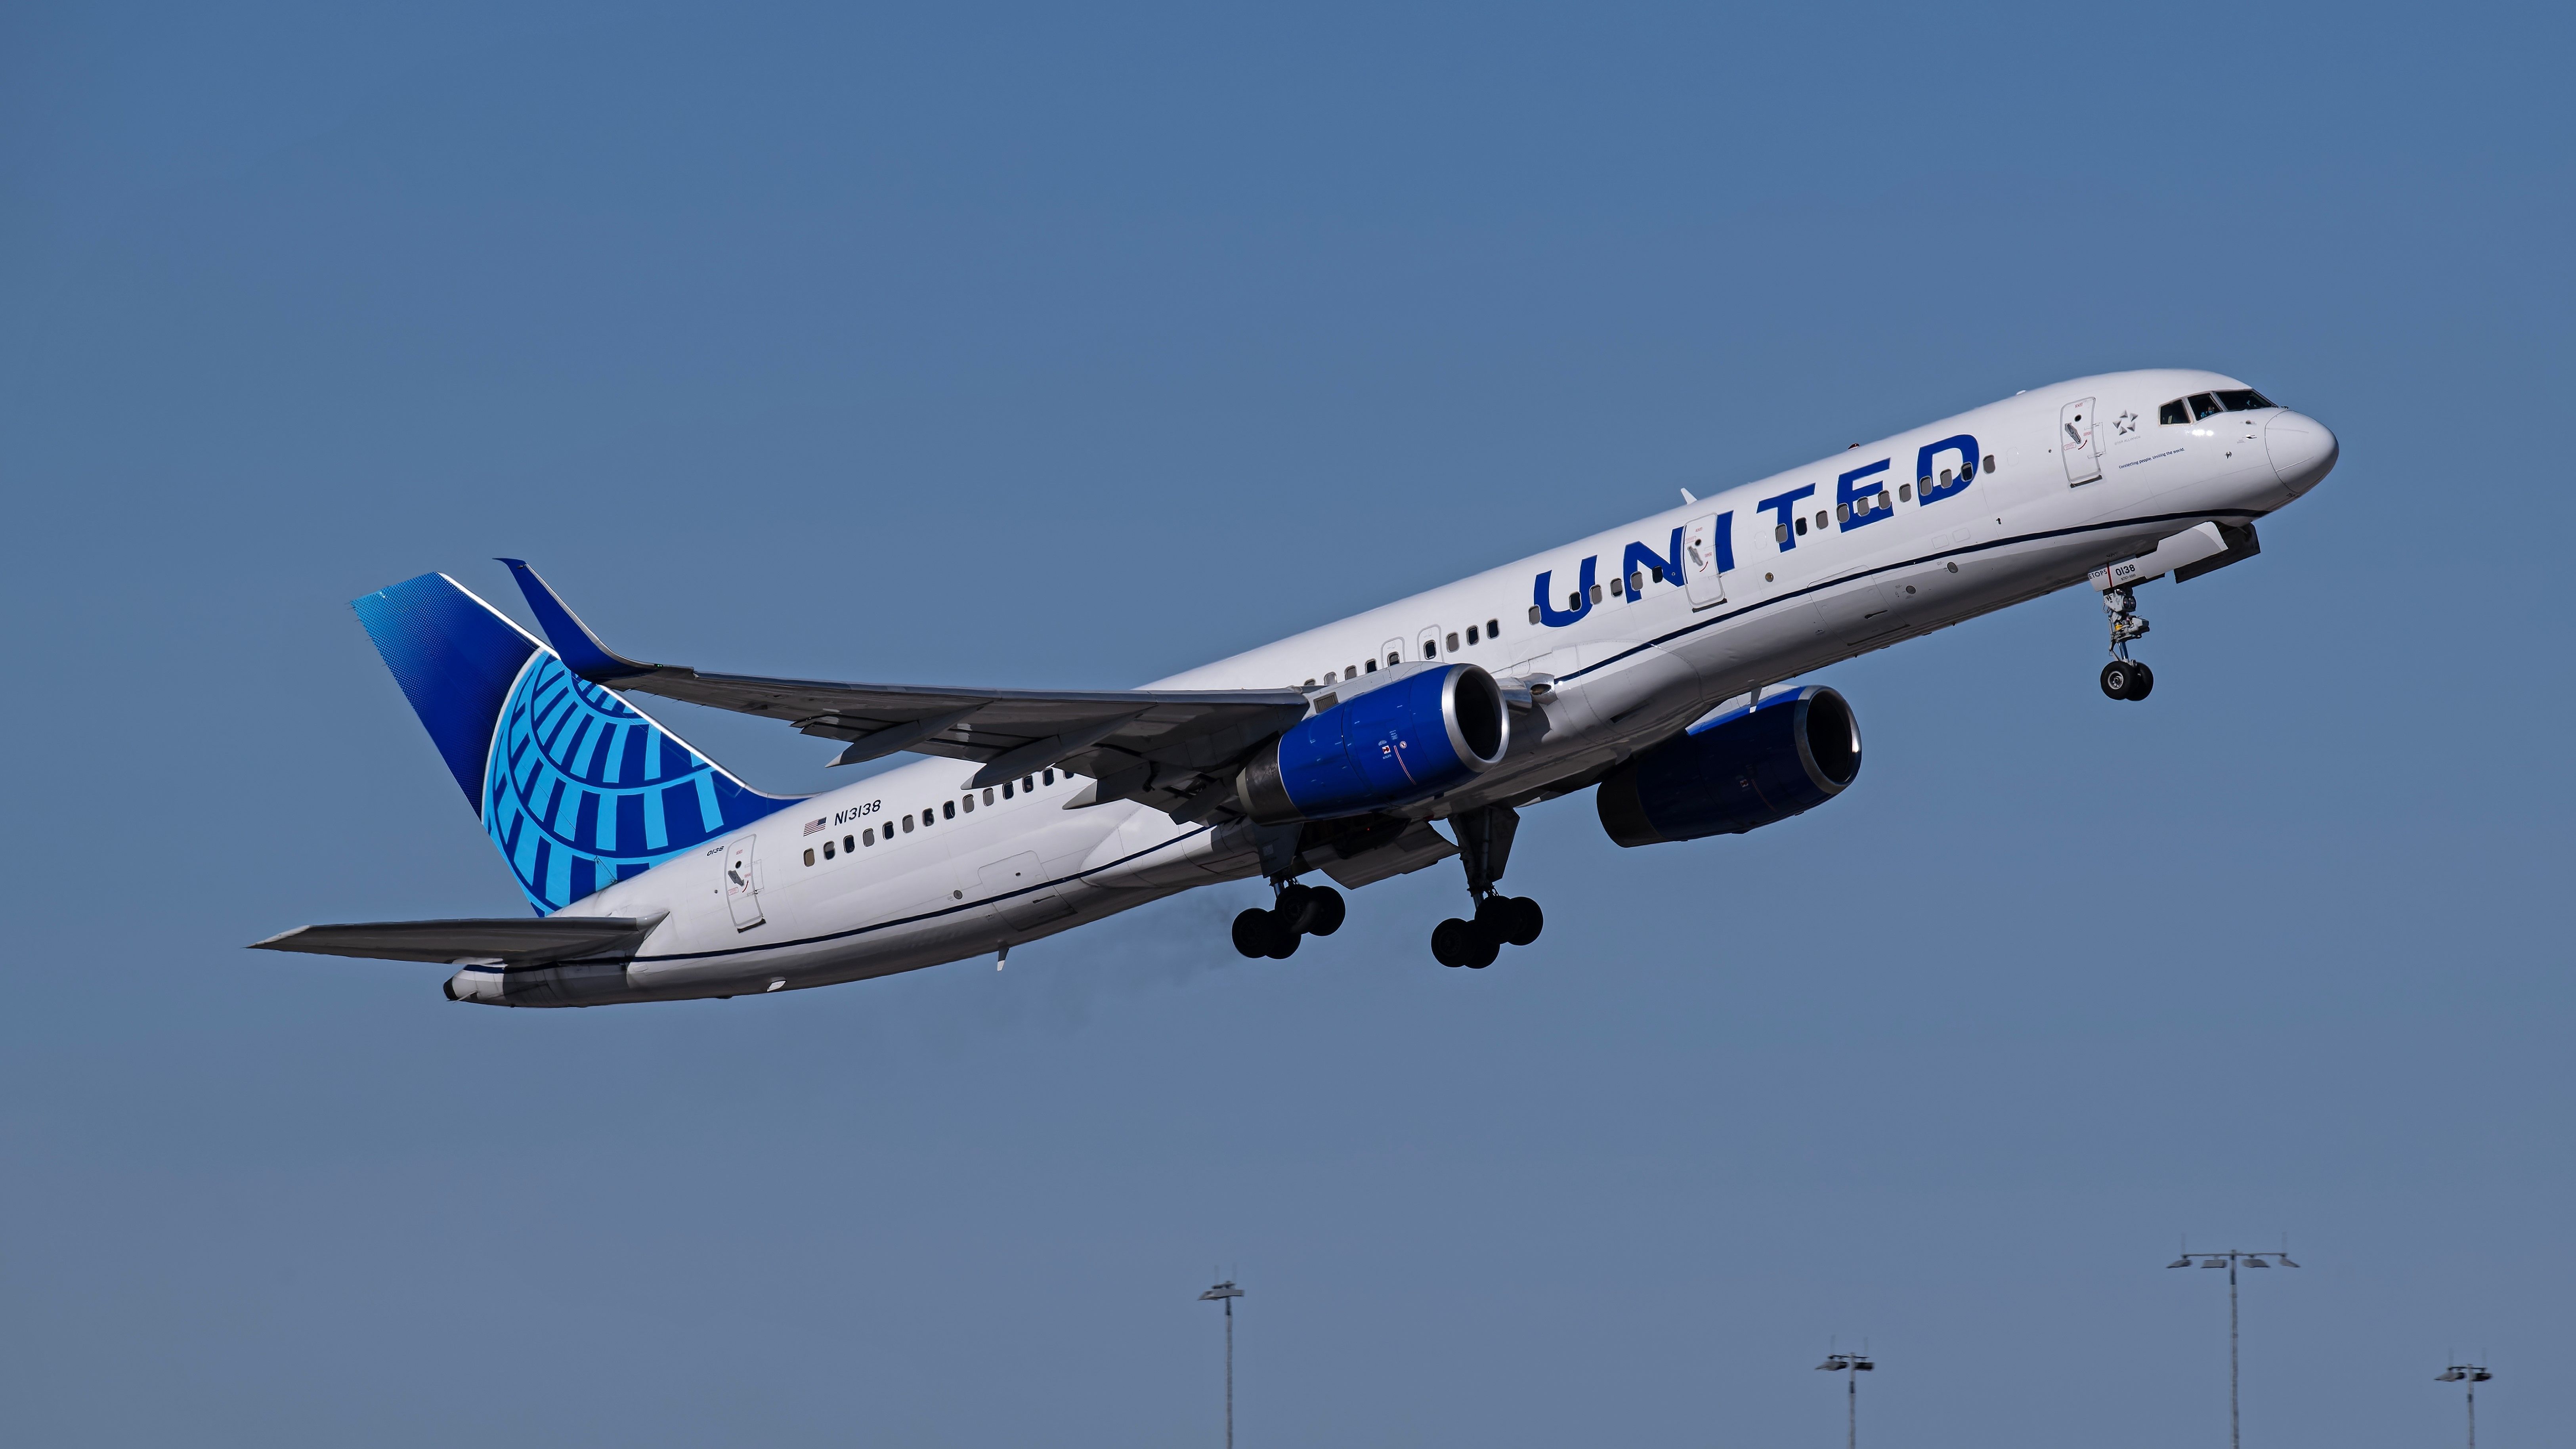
x: 742, y: 884
x: 1019, y: 892
x: 1391, y: 653
x: 1700, y: 575
x: 2076, y: 442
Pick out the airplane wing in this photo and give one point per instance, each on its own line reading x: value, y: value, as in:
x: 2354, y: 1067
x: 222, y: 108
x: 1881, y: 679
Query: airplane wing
x: 511, y: 940
x: 1163, y: 746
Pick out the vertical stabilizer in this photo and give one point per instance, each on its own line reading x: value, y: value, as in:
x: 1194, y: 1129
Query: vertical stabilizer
x: 576, y: 787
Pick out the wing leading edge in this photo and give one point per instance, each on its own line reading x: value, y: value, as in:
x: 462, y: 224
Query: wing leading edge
x: 1167, y: 747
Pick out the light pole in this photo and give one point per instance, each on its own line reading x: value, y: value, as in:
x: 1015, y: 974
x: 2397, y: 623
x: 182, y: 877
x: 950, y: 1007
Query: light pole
x: 1227, y: 1292
x: 2229, y: 1261
x: 2473, y: 1375
x: 1851, y: 1366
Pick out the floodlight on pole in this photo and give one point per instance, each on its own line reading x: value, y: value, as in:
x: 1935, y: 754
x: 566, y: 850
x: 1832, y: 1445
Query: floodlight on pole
x: 2472, y: 1375
x: 1226, y: 1293
x: 2229, y: 1261
x: 1851, y: 1366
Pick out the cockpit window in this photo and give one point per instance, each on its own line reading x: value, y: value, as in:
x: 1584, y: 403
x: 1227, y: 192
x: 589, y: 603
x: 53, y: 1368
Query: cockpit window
x: 2173, y: 412
x: 2202, y: 405
x: 2244, y: 399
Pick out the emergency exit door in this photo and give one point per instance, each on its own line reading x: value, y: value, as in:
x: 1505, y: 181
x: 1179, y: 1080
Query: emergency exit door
x: 1699, y: 562
x: 2077, y: 442
x: 742, y: 884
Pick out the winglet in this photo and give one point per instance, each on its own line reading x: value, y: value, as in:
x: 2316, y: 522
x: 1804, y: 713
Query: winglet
x: 579, y: 648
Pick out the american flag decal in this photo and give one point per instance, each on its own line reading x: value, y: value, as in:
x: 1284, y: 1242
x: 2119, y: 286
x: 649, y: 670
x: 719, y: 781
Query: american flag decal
x: 813, y: 825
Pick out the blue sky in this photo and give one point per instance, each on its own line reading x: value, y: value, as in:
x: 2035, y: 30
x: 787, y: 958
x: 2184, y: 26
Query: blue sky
x: 1034, y: 348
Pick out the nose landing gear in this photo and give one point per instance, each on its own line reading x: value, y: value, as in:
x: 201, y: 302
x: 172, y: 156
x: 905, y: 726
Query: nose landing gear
x: 2125, y: 678
x: 1484, y: 844
x: 1302, y: 910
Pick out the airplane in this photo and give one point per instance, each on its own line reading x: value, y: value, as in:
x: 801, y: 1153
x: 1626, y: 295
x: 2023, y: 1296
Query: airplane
x: 1650, y: 664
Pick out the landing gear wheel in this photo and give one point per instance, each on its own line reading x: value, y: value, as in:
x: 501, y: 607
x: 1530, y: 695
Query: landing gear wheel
x: 2142, y: 681
x: 2120, y: 679
x: 1451, y: 943
x: 1283, y: 941
x: 1483, y: 945
x: 1296, y: 909
x: 1326, y: 915
x: 1252, y: 933
x: 1522, y: 920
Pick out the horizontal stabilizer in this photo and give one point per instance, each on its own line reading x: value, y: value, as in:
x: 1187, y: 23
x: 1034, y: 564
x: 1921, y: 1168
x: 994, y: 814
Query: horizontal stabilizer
x: 513, y: 941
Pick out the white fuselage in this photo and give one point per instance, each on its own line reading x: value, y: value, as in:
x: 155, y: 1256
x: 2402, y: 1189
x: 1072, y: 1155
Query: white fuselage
x: 1620, y: 671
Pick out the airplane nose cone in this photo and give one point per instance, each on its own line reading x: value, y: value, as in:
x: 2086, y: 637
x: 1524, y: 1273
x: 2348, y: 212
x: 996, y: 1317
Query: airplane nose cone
x: 2303, y: 450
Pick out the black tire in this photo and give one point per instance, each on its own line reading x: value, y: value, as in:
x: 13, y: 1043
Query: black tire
x: 1522, y: 920
x: 2142, y: 682
x: 1283, y: 942
x: 1326, y: 917
x: 1296, y: 909
x: 1482, y: 948
x: 1252, y: 933
x: 2115, y: 679
x: 1450, y: 942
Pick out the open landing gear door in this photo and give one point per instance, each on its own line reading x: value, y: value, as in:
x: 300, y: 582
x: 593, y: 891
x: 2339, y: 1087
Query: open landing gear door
x: 1699, y: 563
x: 742, y: 884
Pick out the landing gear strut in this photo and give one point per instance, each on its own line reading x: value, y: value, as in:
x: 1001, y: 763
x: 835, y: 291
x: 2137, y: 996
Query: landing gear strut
x: 2123, y: 677
x: 1484, y: 845
x: 1302, y: 910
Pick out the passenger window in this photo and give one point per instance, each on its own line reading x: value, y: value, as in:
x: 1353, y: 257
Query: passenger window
x: 988, y: 794
x: 1596, y: 593
x: 1453, y: 643
x: 1006, y: 789
x: 1802, y: 526
x: 1330, y: 677
x: 1372, y: 664
x: 2202, y: 405
x: 1990, y: 462
x: 827, y: 850
x: 2173, y: 412
x: 949, y: 808
x: 1905, y: 492
x: 1780, y: 533
x: 1471, y: 636
x: 1050, y: 777
x: 907, y: 825
x: 809, y: 857
x: 1393, y: 659
x: 1309, y: 684
x: 1027, y: 784
x: 1493, y: 629
x: 1533, y: 613
x: 868, y: 836
x: 1842, y: 513
x: 1430, y: 648
x: 970, y: 805
x: 1618, y: 587
x: 1945, y: 477
x: 848, y: 845
x: 1821, y: 515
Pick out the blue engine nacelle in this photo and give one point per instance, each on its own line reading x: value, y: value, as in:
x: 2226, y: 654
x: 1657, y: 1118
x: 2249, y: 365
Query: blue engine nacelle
x: 1401, y: 741
x: 1787, y: 755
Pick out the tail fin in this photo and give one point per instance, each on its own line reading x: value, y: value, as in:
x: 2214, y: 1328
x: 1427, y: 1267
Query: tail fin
x: 576, y: 786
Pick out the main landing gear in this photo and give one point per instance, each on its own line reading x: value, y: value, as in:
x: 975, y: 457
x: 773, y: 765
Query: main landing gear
x: 2123, y: 677
x: 1484, y: 844
x: 1302, y: 911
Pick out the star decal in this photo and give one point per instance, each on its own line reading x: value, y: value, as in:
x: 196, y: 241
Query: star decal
x: 2125, y: 423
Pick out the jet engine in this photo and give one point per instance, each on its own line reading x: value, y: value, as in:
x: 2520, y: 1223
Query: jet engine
x: 1783, y: 757
x: 1407, y: 739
